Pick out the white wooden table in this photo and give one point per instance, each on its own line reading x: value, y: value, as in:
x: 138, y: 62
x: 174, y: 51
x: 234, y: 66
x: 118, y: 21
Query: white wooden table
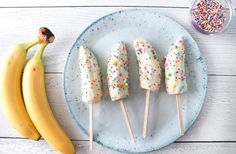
x: 214, y: 131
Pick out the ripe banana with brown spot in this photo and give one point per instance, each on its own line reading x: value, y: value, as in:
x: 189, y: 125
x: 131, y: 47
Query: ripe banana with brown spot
x: 11, y: 99
x: 36, y: 101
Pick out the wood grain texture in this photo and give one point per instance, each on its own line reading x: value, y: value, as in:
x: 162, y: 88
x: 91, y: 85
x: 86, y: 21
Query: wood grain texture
x: 215, y: 123
x: 175, y: 3
x: 68, y: 23
x: 24, y: 146
x: 162, y: 3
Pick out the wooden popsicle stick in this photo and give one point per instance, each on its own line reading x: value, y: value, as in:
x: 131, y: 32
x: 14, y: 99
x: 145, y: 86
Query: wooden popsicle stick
x: 91, y: 126
x: 180, y: 117
x: 127, y: 121
x: 146, y: 112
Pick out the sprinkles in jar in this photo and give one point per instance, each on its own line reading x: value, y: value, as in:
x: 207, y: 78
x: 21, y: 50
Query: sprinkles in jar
x: 211, y: 16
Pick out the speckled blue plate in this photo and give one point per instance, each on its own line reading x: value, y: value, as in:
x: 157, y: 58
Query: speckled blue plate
x: 109, y: 126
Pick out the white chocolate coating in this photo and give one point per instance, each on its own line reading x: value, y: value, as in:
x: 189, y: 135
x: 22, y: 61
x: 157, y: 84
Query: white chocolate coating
x: 149, y: 65
x: 90, y: 76
x: 117, y: 72
x: 175, y: 77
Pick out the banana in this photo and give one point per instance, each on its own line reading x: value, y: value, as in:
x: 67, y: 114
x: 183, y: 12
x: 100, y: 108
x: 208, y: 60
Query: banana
x: 37, y: 105
x: 11, y: 99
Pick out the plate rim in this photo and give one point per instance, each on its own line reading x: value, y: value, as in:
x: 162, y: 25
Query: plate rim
x: 111, y: 14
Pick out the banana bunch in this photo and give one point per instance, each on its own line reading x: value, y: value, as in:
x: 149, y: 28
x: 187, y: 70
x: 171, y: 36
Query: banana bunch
x: 26, y: 106
x: 11, y: 98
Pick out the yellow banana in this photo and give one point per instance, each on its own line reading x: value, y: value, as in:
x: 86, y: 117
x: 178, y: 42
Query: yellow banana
x: 37, y: 104
x: 11, y: 99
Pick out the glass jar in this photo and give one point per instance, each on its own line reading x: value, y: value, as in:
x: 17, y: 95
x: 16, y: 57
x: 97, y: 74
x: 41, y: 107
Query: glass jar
x: 205, y: 20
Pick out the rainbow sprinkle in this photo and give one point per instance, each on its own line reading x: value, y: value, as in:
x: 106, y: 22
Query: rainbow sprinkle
x: 209, y: 15
x: 117, y: 72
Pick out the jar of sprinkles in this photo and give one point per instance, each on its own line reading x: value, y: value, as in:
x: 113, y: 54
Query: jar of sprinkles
x: 211, y: 16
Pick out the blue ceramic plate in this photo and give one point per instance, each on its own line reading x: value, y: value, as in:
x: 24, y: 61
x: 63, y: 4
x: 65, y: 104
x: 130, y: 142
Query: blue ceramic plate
x: 109, y: 126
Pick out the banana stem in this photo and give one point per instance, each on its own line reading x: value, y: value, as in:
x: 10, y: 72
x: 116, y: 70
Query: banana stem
x: 30, y: 44
x: 45, y: 37
x: 40, y: 50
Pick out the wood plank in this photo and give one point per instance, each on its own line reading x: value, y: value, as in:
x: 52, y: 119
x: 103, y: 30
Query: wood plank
x: 215, y: 123
x: 175, y: 3
x: 220, y: 50
x: 170, y: 3
x: 23, y: 146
